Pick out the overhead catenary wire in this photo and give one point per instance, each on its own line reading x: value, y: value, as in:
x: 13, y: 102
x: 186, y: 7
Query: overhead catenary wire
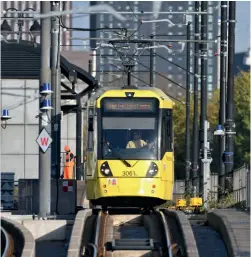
x: 147, y: 83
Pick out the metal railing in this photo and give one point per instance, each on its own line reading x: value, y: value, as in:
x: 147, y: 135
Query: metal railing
x: 241, y: 187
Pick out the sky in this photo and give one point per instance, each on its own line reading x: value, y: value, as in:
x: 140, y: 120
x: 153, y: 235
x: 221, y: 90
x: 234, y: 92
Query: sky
x: 242, y: 42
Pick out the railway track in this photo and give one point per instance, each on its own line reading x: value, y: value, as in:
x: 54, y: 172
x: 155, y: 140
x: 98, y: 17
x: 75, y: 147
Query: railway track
x: 149, y: 234
x: 7, y: 244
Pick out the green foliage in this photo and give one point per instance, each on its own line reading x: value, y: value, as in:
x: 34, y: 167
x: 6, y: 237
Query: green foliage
x: 226, y: 202
x: 242, y: 120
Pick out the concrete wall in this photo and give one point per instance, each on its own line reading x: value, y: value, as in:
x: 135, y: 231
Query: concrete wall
x: 19, y: 150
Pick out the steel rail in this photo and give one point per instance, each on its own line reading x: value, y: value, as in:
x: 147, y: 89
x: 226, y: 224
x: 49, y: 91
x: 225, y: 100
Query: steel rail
x: 6, y: 242
x: 166, y: 228
x: 95, y: 245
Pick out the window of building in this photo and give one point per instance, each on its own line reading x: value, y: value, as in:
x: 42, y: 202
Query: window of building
x: 210, y: 35
x: 169, y: 25
x: 190, y: 8
x: 170, y: 85
x: 170, y: 16
x: 210, y: 70
x: 210, y: 52
x: 180, y: 8
x: 210, y: 27
x: 210, y: 78
x: 170, y: 68
x: 210, y: 61
x: 127, y: 7
x: 209, y: 87
x: 180, y: 77
x: 170, y: 76
x: 180, y: 33
x: 210, y: 18
x: 210, y: 9
x: 180, y: 59
x: 170, y: 59
x: 170, y: 33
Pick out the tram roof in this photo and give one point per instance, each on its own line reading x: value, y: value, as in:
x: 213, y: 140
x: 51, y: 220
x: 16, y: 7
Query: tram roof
x: 104, y: 90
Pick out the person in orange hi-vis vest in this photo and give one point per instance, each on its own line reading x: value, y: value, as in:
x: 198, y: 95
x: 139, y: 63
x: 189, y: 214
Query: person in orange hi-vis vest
x: 69, y: 163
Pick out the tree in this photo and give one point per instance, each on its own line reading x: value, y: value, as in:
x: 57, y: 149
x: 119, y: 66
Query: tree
x: 242, y: 118
x: 242, y: 121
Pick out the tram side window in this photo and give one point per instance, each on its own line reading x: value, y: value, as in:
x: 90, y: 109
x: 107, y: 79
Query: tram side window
x: 167, y: 132
x: 90, y: 134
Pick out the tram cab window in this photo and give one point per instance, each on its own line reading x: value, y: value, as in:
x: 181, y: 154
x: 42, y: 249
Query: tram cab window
x: 130, y: 137
x: 167, y: 132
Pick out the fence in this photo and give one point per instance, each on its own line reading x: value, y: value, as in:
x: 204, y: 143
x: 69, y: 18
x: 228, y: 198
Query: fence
x: 241, y: 187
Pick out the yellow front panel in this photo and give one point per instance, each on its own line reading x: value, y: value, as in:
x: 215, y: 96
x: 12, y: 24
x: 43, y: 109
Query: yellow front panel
x: 148, y: 187
x: 132, y: 181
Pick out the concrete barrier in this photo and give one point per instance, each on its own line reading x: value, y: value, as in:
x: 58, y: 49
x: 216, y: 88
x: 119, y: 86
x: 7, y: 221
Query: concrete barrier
x: 234, y: 228
x: 186, y: 231
x: 47, y: 230
x: 24, y: 242
x: 76, y: 242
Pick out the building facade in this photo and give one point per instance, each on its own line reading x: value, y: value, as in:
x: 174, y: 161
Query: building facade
x: 65, y: 40
x: 145, y: 30
x: 19, y: 88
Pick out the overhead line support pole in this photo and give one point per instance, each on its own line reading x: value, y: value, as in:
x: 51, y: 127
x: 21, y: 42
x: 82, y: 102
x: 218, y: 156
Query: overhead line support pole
x: 195, y: 151
x: 56, y: 88
x: 44, y: 118
x: 79, y: 137
x: 151, y: 63
x: 187, y: 139
x: 230, y: 125
x: 223, y: 83
x: 205, y: 158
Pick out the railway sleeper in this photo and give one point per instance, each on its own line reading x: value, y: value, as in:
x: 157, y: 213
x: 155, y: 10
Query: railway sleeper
x: 132, y: 244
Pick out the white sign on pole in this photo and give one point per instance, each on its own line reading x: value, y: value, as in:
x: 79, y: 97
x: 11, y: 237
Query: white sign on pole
x: 44, y: 140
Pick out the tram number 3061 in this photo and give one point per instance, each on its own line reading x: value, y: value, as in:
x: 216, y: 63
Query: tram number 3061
x: 128, y: 173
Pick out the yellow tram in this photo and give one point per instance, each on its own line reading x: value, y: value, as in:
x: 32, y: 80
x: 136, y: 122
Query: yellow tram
x: 130, y: 159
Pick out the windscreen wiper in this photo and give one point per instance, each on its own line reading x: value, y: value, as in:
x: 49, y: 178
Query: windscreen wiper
x: 117, y: 154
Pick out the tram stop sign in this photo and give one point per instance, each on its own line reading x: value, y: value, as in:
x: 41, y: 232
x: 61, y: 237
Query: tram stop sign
x: 44, y: 140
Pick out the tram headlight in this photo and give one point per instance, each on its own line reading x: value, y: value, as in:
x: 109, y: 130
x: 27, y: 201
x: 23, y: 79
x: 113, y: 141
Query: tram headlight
x: 152, y: 170
x: 106, y: 170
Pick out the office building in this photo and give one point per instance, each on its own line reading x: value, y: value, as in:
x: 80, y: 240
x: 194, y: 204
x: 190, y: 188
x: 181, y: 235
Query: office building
x: 145, y: 30
x: 35, y: 5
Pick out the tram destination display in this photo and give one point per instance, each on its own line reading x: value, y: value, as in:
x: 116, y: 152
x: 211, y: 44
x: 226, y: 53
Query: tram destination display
x: 135, y: 105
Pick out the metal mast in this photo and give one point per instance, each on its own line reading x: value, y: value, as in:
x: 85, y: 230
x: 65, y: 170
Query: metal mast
x: 187, y: 139
x: 195, y: 151
x: 230, y: 125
